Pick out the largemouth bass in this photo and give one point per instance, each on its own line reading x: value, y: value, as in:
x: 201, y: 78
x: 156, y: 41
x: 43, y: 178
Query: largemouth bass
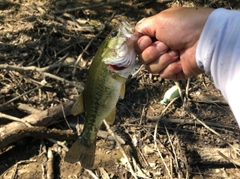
x: 108, y: 73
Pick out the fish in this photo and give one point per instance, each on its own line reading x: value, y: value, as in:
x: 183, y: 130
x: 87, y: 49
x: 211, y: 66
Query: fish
x: 108, y: 72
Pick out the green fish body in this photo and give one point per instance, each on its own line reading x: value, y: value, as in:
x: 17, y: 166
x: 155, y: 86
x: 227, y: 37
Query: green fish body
x: 108, y: 73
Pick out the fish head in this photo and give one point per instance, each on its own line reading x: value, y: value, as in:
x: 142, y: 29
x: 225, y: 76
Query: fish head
x: 119, y: 53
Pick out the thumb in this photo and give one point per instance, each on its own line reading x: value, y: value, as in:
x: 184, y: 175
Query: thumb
x: 147, y: 26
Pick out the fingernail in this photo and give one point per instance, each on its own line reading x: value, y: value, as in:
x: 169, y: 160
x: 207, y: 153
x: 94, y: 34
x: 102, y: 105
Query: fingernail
x: 139, y: 22
x: 173, y: 53
x: 139, y: 25
x: 161, y: 47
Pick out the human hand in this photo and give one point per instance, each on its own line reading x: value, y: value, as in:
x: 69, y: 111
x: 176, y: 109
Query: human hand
x: 169, y: 41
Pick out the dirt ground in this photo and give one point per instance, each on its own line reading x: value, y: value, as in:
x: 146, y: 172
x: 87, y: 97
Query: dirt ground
x: 46, y: 48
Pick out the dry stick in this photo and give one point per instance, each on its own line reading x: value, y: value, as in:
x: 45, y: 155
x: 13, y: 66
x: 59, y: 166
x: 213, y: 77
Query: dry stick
x: 6, y: 116
x: 80, y: 56
x: 88, y: 7
x: 101, y: 134
x: 210, y: 129
x: 92, y: 174
x: 184, y: 160
x: 136, y: 72
x: 16, y: 166
x: 17, y: 97
x: 37, y: 132
x: 121, y: 149
x: 179, y: 90
x: 59, y: 143
x: 140, y: 172
x: 160, y: 154
x: 32, y: 68
x: 184, y: 121
x: 73, y: 19
x: 201, y: 122
x: 49, y: 165
x: 27, y: 109
x: 186, y: 92
x: 103, y: 172
x: 79, y: 86
x: 14, y: 131
x: 41, y: 70
x: 155, y: 135
x: 64, y: 116
x: 88, y: 45
x: 175, y: 155
x: 229, y: 159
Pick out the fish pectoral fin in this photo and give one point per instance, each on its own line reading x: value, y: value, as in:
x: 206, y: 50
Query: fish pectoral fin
x: 78, y: 107
x: 111, y: 117
x: 122, y: 91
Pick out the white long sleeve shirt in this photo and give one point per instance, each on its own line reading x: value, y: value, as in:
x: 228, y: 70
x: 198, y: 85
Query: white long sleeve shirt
x: 218, y: 53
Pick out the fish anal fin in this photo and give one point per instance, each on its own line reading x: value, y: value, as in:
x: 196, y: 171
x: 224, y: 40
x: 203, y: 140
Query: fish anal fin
x: 122, y: 91
x: 82, y: 150
x: 78, y: 107
x: 111, y: 117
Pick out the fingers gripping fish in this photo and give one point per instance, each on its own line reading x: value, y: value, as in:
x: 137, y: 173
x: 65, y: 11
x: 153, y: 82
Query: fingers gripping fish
x: 108, y: 73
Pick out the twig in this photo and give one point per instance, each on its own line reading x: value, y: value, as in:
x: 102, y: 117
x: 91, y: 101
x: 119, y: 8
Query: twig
x: 140, y: 172
x: 139, y: 69
x: 89, y: 43
x: 173, y: 149
x: 155, y: 136
x: 182, y: 153
x: 179, y: 90
x: 59, y: 143
x: 187, y: 92
x: 37, y: 132
x: 188, y: 121
x: 160, y: 116
x: 92, y: 174
x: 102, y: 134
x: 14, y: 131
x: 210, y: 129
x: 16, y: 166
x: 164, y: 163
x: 49, y: 165
x: 217, y: 156
x: 121, y: 149
x: 88, y: 7
x: 79, y: 86
x: 27, y: 109
x: 32, y: 68
x: 17, y: 97
x: 42, y: 71
x: 229, y: 159
x: 6, y: 116
x: 104, y: 173
x: 64, y: 116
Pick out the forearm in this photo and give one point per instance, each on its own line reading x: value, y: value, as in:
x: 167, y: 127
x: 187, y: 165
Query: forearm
x: 218, y: 53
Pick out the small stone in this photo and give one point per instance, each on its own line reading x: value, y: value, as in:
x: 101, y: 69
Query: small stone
x: 61, y: 3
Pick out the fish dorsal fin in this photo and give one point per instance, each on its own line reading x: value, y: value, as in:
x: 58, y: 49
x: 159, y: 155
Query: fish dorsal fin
x: 111, y: 117
x: 122, y: 91
x: 78, y: 107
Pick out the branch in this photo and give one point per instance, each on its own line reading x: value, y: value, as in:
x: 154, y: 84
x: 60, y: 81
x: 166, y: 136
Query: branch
x: 88, y: 7
x: 14, y: 131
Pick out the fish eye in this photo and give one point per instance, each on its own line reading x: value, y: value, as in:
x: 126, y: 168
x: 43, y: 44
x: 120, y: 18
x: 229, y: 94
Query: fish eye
x: 114, y: 33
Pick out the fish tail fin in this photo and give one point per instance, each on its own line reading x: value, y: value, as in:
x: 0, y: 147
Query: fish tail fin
x: 82, y: 150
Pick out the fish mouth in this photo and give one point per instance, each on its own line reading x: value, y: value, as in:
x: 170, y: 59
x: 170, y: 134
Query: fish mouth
x: 117, y: 68
x: 129, y: 31
x: 125, y: 54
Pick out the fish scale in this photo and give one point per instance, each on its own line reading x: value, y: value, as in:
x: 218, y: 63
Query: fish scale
x: 105, y: 83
